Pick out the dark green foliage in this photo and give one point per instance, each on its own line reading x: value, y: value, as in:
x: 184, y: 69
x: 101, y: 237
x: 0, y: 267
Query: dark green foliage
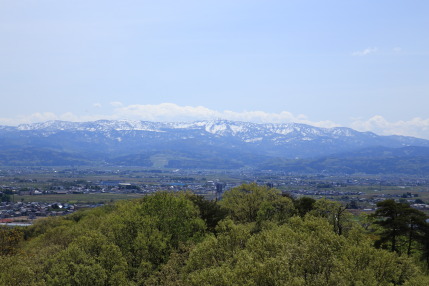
x: 403, y: 229
x: 303, y: 205
x: 416, y: 223
x: 353, y: 205
x: 210, y: 211
x: 392, y: 221
x: 424, y: 245
x: 5, y: 197
x: 401, y: 225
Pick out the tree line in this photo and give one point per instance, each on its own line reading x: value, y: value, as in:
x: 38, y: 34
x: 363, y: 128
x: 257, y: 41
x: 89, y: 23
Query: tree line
x: 254, y: 235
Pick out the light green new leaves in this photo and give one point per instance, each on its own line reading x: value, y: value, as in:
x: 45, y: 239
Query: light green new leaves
x: 250, y: 202
x: 301, y: 252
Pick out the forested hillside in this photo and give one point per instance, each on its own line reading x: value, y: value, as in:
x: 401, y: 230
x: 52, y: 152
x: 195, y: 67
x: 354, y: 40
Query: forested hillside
x: 253, y: 236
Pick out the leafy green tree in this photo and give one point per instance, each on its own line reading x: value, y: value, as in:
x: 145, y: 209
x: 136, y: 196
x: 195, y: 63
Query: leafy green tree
x: 300, y: 252
x: 171, y: 273
x: 162, y: 239
x: 216, y: 249
x: 42, y: 226
x: 148, y: 230
x: 9, y: 240
x: 19, y: 270
x: 362, y: 264
x: 89, y: 260
x: 244, y: 202
x: 335, y: 213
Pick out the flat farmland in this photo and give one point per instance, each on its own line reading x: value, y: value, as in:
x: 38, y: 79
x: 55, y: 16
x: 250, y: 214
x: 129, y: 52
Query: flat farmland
x: 77, y: 198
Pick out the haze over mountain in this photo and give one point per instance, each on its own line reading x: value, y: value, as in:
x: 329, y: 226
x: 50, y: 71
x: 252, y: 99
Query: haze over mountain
x: 217, y: 144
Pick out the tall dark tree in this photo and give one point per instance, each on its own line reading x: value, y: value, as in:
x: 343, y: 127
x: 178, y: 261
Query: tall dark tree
x: 400, y: 222
x: 424, y: 245
x: 210, y: 211
x: 416, y: 222
x: 392, y: 218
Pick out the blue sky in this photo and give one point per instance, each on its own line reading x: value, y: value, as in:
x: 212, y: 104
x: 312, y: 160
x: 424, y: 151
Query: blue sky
x: 360, y: 64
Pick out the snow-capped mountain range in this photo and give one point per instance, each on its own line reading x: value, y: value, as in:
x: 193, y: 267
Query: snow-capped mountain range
x: 219, y: 143
x: 246, y: 131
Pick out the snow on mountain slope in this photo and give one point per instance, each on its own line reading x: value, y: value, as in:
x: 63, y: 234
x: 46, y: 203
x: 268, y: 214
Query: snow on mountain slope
x: 282, y: 140
x: 217, y: 142
x: 245, y: 131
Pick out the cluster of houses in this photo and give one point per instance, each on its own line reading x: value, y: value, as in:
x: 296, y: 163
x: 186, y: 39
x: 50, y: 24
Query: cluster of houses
x: 314, y: 186
x: 26, y: 212
x: 12, y: 212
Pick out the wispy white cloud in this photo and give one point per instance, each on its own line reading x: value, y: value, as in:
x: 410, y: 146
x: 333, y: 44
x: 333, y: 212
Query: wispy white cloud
x: 164, y: 112
x: 174, y: 112
x: 417, y: 127
x: 365, y: 52
x: 171, y: 112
